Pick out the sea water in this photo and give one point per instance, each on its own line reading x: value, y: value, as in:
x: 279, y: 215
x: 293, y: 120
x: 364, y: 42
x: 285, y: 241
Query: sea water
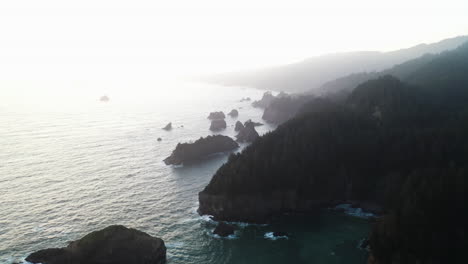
x: 72, y: 165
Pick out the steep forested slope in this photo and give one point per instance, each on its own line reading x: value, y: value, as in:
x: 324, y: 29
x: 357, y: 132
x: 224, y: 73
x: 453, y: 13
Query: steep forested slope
x: 402, y: 145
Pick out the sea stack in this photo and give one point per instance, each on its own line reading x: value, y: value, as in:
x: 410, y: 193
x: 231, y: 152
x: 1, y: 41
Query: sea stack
x: 216, y: 115
x: 168, y: 126
x: 233, y: 113
x: 239, y: 126
x: 248, y: 133
x: 111, y: 245
x: 217, y: 125
x: 224, y: 230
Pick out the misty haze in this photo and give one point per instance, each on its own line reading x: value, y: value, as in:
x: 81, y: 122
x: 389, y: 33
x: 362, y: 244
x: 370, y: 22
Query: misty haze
x: 150, y: 132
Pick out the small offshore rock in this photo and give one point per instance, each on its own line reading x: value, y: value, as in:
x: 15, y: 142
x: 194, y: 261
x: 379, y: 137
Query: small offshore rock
x: 168, y: 126
x: 233, y: 113
x: 224, y: 229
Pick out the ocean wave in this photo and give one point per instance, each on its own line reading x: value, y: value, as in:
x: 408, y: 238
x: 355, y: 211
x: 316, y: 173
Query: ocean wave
x: 357, y: 212
x: 230, y: 237
x: 271, y: 236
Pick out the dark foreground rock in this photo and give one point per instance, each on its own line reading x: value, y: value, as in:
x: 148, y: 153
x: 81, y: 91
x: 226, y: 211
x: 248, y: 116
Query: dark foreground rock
x: 233, y: 113
x: 168, y: 126
x: 218, y: 124
x: 111, y: 245
x: 239, y: 126
x: 248, y: 133
x: 224, y: 229
x: 216, y: 115
x: 185, y: 152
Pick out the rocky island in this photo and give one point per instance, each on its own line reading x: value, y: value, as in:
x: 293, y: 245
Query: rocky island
x: 111, y: 245
x: 186, y: 152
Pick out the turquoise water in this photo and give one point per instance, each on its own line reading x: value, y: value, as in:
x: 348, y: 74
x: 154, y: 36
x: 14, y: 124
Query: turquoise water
x: 70, y: 168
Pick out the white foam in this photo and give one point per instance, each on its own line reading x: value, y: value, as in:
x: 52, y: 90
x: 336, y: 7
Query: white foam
x: 244, y: 224
x: 357, y: 212
x: 175, y: 245
x: 230, y: 237
x: 208, y: 219
x: 271, y: 236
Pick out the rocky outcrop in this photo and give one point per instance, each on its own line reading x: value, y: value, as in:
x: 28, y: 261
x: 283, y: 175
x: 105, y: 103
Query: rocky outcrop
x: 217, y: 124
x: 186, y: 152
x: 104, y: 98
x: 111, y: 245
x: 168, y: 126
x: 250, y: 122
x: 233, y: 113
x: 216, y: 115
x: 224, y: 230
x: 266, y: 100
x: 239, y: 126
x: 248, y: 133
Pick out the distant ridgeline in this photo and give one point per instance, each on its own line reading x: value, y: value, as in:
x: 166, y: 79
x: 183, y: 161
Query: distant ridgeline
x: 311, y: 74
x: 417, y: 71
x: 400, y: 144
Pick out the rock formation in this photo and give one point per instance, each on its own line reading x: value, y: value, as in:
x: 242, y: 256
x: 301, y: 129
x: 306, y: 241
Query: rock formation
x: 104, y: 98
x: 239, y: 126
x: 250, y: 122
x: 216, y: 115
x: 224, y: 230
x: 168, y: 126
x: 233, y: 113
x: 186, y: 152
x: 217, y: 124
x: 111, y: 245
x: 266, y: 100
x: 248, y: 133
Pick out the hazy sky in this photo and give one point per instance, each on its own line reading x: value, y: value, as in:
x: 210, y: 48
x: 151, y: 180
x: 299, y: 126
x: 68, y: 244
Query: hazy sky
x: 146, y: 40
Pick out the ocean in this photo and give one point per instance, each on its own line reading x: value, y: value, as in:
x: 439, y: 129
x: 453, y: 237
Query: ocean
x: 72, y: 165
